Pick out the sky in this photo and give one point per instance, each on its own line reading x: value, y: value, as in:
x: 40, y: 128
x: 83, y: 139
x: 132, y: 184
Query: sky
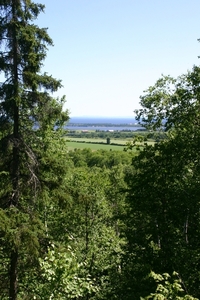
x: 107, y: 52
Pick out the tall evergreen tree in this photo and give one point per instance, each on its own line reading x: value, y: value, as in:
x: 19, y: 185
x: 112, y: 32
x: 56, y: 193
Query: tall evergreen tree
x: 23, y: 96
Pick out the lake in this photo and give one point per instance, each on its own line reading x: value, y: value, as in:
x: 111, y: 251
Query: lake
x: 103, y: 123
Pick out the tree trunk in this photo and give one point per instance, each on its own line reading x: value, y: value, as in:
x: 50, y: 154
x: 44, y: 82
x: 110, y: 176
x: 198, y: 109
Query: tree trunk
x: 13, y: 275
x: 16, y: 158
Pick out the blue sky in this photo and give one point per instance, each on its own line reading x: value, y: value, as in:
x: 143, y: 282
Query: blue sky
x: 107, y: 52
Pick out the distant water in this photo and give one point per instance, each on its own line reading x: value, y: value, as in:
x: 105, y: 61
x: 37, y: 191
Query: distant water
x: 103, y: 120
x: 102, y: 123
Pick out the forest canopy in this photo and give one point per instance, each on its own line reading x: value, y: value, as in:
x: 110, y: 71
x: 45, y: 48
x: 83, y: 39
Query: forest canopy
x: 89, y: 224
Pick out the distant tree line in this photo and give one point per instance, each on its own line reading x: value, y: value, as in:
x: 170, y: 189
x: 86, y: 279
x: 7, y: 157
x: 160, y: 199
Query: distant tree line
x: 154, y: 135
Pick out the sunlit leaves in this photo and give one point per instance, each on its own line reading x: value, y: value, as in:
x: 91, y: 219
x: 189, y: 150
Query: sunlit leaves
x: 64, y: 276
x: 171, y: 102
x: 168, y: 287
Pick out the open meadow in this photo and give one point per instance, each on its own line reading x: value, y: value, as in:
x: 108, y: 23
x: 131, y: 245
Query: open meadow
x: 101, y: 144
x: 82, y: 145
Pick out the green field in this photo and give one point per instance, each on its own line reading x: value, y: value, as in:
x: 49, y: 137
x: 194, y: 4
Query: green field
x: 81, y: 143
x: 98, y: 140
x: 72, y: 145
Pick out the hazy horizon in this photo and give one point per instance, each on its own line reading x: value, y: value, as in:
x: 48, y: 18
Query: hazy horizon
x: 104, y: 117
x: 102, y: 120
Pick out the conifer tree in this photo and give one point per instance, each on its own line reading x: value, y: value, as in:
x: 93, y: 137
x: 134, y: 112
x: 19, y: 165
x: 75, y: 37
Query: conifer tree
x: 24, y: 94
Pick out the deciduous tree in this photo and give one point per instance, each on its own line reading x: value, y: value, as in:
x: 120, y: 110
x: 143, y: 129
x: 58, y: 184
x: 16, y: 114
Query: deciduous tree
x: 164, y: 185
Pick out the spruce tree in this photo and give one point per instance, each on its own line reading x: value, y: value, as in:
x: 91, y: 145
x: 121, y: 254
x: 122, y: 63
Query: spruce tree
x: 24, y: 95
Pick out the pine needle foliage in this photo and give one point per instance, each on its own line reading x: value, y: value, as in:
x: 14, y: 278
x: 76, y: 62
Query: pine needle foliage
x: 24, y: 98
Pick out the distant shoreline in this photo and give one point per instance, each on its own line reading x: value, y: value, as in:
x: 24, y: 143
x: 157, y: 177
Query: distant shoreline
x: 103, y: 123
x: 103, y: 117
